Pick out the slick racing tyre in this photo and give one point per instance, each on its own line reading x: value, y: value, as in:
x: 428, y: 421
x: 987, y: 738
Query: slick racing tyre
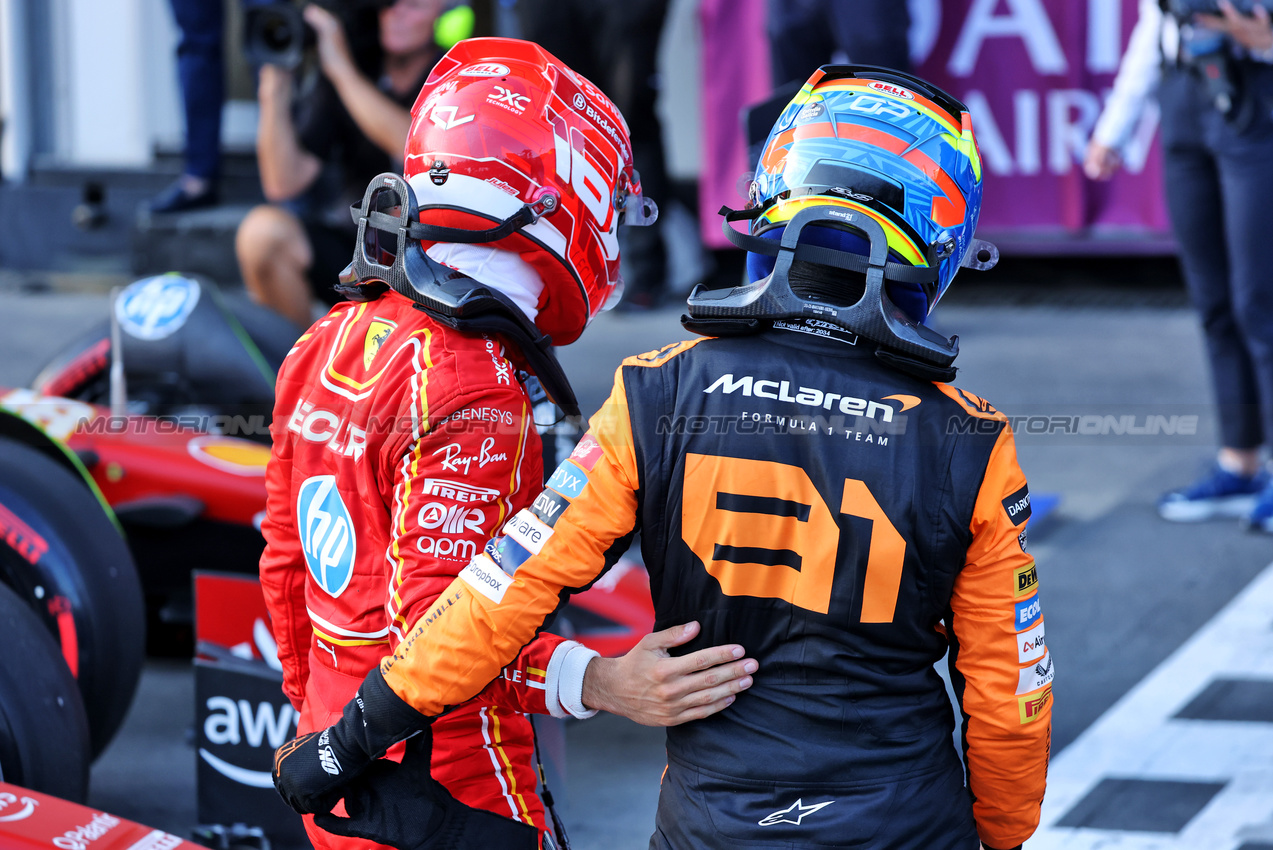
x: 61, y: 554
x: 43, y: 731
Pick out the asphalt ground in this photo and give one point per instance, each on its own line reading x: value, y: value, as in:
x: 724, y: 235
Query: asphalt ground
x: 1121, y: 589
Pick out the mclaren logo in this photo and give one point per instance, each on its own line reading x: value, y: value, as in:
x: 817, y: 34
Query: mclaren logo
x: 753, y: 387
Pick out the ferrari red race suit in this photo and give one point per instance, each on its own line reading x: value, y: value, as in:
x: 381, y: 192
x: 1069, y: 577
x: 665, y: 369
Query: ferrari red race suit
x: 848, y: 524
x: 400, y: 447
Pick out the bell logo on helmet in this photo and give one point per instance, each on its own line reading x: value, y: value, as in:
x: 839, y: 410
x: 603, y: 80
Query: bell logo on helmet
x: 486, y: 69
x: 327, y: 534
x: 889, y: 88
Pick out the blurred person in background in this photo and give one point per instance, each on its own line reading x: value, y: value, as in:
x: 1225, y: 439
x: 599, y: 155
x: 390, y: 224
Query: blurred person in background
x: 805, y: 484
x: 812, y: 32
x: 201, y: 71
x: 354, y: 121
x: 615, y: 44
x: 1215, y: 86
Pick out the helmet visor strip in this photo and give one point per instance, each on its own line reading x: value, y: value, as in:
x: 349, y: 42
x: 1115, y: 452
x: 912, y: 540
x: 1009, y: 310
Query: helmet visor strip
x: 636, y: 209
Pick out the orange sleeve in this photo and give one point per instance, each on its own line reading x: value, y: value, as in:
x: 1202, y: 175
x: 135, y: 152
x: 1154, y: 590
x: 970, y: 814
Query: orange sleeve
x: 575, y: 528
x: 1000, y: 664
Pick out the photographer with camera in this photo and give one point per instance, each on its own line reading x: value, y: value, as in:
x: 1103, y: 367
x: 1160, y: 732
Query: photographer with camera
x: 346, y: 128
x: 1213, y: 67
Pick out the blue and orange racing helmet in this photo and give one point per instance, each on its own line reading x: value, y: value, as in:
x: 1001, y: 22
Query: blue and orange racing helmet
x: 882, y: 171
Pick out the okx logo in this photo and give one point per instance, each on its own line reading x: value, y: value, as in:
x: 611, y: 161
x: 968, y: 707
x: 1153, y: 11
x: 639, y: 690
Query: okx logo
x: 327, y: 534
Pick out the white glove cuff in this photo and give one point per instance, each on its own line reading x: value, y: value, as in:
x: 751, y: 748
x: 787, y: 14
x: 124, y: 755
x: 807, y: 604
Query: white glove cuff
x: 564, y: 682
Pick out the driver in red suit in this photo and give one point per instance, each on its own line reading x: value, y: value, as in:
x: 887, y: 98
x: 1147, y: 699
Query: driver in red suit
x: 404, y: 440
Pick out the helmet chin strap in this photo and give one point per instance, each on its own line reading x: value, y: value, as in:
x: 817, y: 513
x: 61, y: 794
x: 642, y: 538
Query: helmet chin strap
x: 874, y: 316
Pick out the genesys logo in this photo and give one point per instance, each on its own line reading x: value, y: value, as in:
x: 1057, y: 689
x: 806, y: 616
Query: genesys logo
x: 750, y: 386
x: 452, y: 519
x: 1025, y: 580
x: 15, y: 808
x: 82, y: 836
x: 1028, y: 612
x: 1036, y: 676
x: 1031, y: 707
x: 1031, y: 645
x: 327, y: 534
x: 1017, y: 506
x: 459, y: 491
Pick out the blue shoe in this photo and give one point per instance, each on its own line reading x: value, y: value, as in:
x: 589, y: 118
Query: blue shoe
x: 1219, y: 494
x: 1261, y: 516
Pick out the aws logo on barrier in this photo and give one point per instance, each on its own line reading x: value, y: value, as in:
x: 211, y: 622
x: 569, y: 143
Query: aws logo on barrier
x: 327, y: 534
x: 236, y: 722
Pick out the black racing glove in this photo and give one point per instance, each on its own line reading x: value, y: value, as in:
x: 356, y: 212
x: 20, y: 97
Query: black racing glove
x: 312, y: 771
x: 403, y: 806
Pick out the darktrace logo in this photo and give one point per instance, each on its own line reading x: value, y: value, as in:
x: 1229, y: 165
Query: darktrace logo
x: 1017, y: 506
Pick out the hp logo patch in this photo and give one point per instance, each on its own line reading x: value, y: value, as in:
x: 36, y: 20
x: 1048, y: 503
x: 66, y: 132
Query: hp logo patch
x: 327, y: 534
x: 156, y: 307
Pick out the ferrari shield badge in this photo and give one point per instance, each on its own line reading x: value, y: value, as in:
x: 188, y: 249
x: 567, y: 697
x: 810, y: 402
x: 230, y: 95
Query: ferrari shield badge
x: 327, y: 534
x: 376, y: 336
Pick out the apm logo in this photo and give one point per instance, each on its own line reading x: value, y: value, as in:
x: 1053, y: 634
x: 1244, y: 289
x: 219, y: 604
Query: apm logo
x: 327, y: 534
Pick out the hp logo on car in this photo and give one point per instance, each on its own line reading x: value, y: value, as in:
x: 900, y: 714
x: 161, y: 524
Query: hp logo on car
x: 156, y: 307
x: 327, y: 534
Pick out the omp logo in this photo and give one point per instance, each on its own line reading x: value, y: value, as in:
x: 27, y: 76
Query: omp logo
x: 82, y: 836
x: 887, y: 88
x: 156, y: 307
x: 327, y: 534
x: 326, y: 757
x: 444, y: 117
x: 455, y: 519
x: 1025, y: 579
x: 7, y: 800
x: 486, y: 69
x: 508, y: 99
x: 750, y: 387
x: 1017, y: 505
x: 458, y: 491
x: 1028, y: 612
x: 1030, y: 708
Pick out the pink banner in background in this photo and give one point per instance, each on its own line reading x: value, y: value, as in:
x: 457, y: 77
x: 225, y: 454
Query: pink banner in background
x: 1034, y: 73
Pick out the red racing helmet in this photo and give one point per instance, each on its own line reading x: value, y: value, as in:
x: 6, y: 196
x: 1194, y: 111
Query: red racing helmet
x: 510, y: 145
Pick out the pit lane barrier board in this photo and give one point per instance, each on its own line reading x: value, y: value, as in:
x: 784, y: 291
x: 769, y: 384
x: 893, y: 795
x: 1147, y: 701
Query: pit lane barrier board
x: 241, y: 714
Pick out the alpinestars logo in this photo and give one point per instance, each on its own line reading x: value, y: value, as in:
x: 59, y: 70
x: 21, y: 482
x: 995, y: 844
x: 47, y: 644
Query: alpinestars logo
x: 794, y: 813
x: 326, y: 757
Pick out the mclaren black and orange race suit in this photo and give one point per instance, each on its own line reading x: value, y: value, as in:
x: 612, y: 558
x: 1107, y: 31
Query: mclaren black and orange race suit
x: 848, y: 525
x: 400, y: 447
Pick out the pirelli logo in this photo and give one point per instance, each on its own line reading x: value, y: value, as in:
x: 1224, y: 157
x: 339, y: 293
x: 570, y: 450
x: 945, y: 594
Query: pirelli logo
x: 1031, y: 706
x: 1025, y: 580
